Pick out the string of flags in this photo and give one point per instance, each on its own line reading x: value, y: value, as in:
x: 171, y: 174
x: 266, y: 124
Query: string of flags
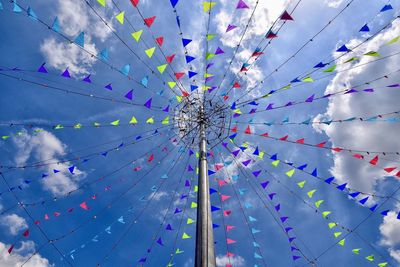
x: 146, y: 156
x: 301, y: 141
x: 237, y: 112
x: 306, y: 79
x: 352, y: 193
x: 326, y: 214
x: 270, y: 35
x: 185, y: 205
x: 121, y: 220
x: 180, y: 214
x: 103, y: 56
x: 391, y: 117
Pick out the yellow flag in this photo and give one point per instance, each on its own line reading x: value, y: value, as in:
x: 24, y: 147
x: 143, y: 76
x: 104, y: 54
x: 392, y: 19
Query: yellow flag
x: 149, y: 52
x: 150, y: 120
x: 115, y: 123
x: 171, y: 84
x: 290, y: 173
x: 133, y: 120
x: 102, y: 2
x: 165, y: 121
x: 162, y: 68
x: 136, y: 35
x: 208, y: 5
x: 120, y: 17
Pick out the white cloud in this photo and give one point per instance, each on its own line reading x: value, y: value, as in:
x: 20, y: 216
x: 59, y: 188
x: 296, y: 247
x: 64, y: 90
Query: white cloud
x: 62, y: 55
x: 390, y: 230
x: 266, y: 13
x: 395, y: 254
x: 13, y: 223
x: 223, y: 260
x: 357, y: 135
x: 157, y: 196
x: 74, y: 17
x: 44, y: 146
x: 20, y: 255
x: 359, y: 174
x: 333, y: 3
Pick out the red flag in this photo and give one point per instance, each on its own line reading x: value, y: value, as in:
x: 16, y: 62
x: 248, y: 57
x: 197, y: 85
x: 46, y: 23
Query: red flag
x: 229, y: 227
x: 185, y: 94
x: 218, y: 166
x: 265, y: 135
x: 224, y: 198
x: 135, y: 2
x: 336, y: 149
x: 179, y: 75
x: 286, y: 16
x: 284, y: 138
x: 226, y: 97
x: 170, y: 58
x: 234, y: 129
x: 389, y: 169
x: 358, y: 156
x: 271, y: 35
x: 398, y: 174
x: 374, y: 161
x: 149, y: 21
x: 26, y: 233
x: 151, y: 158
x: 221, y: 182
x: 236, y: 85
x: 227, y: 213
x: 84, y: 206
x: 321, y: 145
x: 10, y: 249
x: 300, y: 141
x: 160, y: 40
x: 248, y: 130
x: 230, y: 241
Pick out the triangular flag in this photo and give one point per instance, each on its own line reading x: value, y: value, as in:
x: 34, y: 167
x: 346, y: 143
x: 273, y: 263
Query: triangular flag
x: 208, y: 5
x: 149, y: 52
x: 80, y: 39
x: 120, y: 17
x: 286, y: 16
x: 136, y: 35
x: 102, y: 2
x: 149, y: 21
x: 241, y: 4
x: 162, y: 68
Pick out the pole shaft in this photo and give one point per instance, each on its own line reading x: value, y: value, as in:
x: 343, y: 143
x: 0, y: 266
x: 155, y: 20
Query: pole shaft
x: 205, y: 256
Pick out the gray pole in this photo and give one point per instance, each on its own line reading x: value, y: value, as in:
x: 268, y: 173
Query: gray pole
x: 205, y: 256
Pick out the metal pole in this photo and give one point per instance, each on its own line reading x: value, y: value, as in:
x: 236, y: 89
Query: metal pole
x: 205, y: 256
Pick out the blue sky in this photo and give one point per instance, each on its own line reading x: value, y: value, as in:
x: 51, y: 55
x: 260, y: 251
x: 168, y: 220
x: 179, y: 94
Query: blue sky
x: 130, y: 201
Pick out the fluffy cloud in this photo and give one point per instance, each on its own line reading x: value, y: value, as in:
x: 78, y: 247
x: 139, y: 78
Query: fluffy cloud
x: 390, y: 234
x: 236, y: 261
x: 368, y: 136
x: 333, y: 3
x: 45, y: 146
x: 358, y: 135
x: 390, y: 230
x: 20, y: 255
x: 266, y: 13
x: 13, y: 223
x: 74, y: 17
